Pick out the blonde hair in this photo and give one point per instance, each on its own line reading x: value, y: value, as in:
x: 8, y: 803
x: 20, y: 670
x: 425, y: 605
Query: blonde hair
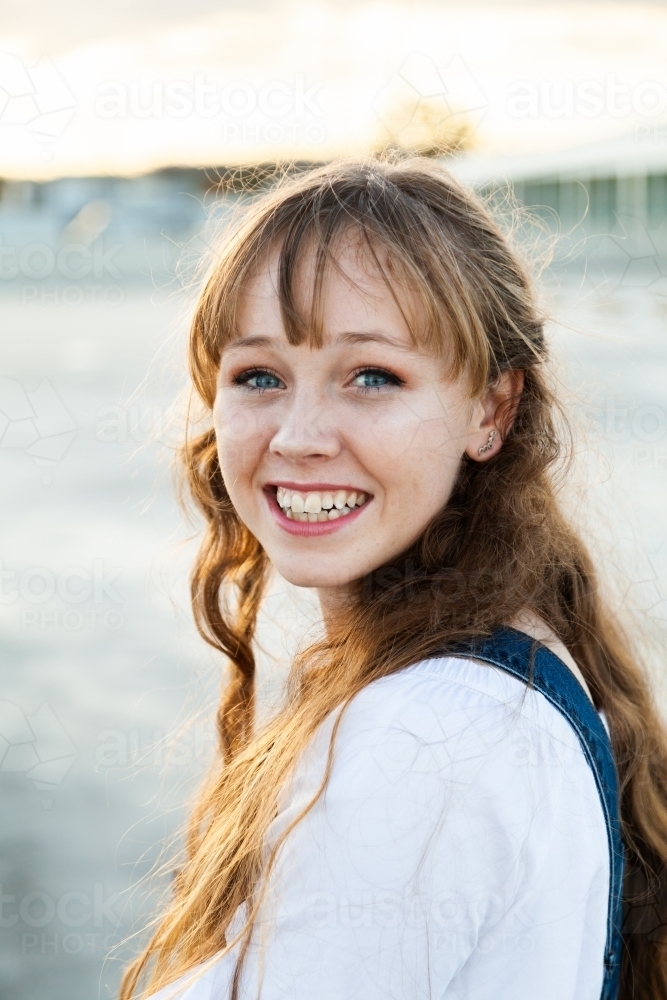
x: 500, y: 545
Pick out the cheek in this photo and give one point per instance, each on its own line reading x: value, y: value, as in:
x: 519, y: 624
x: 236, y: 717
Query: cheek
x: 414, y: 437
x: 415, y: 453
x: 241, y: 440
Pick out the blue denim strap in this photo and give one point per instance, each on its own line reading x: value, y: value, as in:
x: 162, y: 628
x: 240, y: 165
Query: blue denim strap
x: 524, y: 657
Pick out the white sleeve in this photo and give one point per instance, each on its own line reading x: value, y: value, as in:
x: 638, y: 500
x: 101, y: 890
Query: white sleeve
x: 459, y: 850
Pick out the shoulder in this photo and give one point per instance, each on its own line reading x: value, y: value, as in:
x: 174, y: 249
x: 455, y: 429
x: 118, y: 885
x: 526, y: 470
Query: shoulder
x: 450, y: 728
x: 450, y: 752
x: 456, y: 700
x: 453, y: 761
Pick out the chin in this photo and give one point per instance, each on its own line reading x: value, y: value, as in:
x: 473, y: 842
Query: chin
x: 308, y: 576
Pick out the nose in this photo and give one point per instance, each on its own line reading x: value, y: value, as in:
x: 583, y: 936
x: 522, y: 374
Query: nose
x: 306, y: 430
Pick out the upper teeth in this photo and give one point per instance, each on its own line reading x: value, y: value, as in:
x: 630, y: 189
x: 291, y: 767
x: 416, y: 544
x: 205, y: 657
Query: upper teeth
x: 319, y: 506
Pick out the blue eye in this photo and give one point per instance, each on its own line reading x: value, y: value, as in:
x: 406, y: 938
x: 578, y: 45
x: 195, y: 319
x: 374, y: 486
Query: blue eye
x: 264, y: 381
x: 260, y: 380
x: 375, y: 378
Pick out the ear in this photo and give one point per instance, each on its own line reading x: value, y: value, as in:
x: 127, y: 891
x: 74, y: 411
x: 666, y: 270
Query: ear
x: 493, y: 416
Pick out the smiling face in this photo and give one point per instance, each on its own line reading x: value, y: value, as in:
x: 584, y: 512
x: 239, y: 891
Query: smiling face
x: 337, y: 457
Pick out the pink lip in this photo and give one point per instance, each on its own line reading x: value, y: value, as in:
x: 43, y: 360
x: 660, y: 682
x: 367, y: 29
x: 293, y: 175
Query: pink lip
x: 315, y: 487
x: 309, y: 528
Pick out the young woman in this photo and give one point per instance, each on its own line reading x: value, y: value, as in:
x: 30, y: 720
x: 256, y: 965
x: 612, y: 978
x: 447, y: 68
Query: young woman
x: 469, y: 760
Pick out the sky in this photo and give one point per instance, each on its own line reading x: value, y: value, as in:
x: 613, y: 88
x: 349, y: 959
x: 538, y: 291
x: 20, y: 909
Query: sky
x: 89, y: 87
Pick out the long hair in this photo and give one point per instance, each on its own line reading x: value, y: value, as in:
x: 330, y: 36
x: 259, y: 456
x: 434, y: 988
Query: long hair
x: 499, y: 546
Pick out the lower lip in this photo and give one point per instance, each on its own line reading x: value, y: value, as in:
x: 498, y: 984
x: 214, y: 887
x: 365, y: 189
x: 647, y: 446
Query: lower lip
x: 311, y: 528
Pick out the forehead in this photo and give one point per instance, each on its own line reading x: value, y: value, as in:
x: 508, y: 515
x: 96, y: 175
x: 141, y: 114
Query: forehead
x: 349, y: 290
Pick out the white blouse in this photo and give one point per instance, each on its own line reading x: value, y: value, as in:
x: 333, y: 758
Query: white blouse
x: 459, y: 851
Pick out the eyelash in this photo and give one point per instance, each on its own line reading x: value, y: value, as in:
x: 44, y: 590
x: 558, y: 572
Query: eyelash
x: 391, y: 377
x: 243, y: 378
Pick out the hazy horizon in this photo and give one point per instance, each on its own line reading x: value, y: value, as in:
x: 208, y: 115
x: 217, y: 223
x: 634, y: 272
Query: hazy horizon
x: 127, y: 89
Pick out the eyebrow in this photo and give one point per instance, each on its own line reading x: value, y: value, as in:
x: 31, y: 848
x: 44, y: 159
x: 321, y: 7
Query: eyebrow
x: 257, y: 341
x: 349, y: 337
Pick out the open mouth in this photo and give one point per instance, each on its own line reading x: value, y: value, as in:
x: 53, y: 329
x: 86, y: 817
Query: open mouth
x: 322, y: 507
x: 318, y: 506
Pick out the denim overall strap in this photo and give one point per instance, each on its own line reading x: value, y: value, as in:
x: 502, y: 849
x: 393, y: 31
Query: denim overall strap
x: 524, y: 657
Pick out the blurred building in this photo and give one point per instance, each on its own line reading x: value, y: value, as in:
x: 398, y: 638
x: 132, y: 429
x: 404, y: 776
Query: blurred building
x: 106, y: 228
x: 608, y: 198
x: 618, y: 186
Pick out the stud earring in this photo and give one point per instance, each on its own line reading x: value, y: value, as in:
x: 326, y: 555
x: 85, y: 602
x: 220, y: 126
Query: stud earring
x: 489, y: 444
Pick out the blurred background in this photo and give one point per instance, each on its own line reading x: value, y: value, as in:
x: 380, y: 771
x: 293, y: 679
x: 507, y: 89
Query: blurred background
x: 127, y: 132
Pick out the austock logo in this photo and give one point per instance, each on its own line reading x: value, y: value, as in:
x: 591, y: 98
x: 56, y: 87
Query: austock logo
x: 36, y: 98
x: 36, y: 746
x: 627, y: 257
x: 426, y: 107
x: 36, y: 422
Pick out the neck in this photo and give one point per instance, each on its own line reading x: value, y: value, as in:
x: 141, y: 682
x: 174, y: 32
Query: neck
x: 334, y: 602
